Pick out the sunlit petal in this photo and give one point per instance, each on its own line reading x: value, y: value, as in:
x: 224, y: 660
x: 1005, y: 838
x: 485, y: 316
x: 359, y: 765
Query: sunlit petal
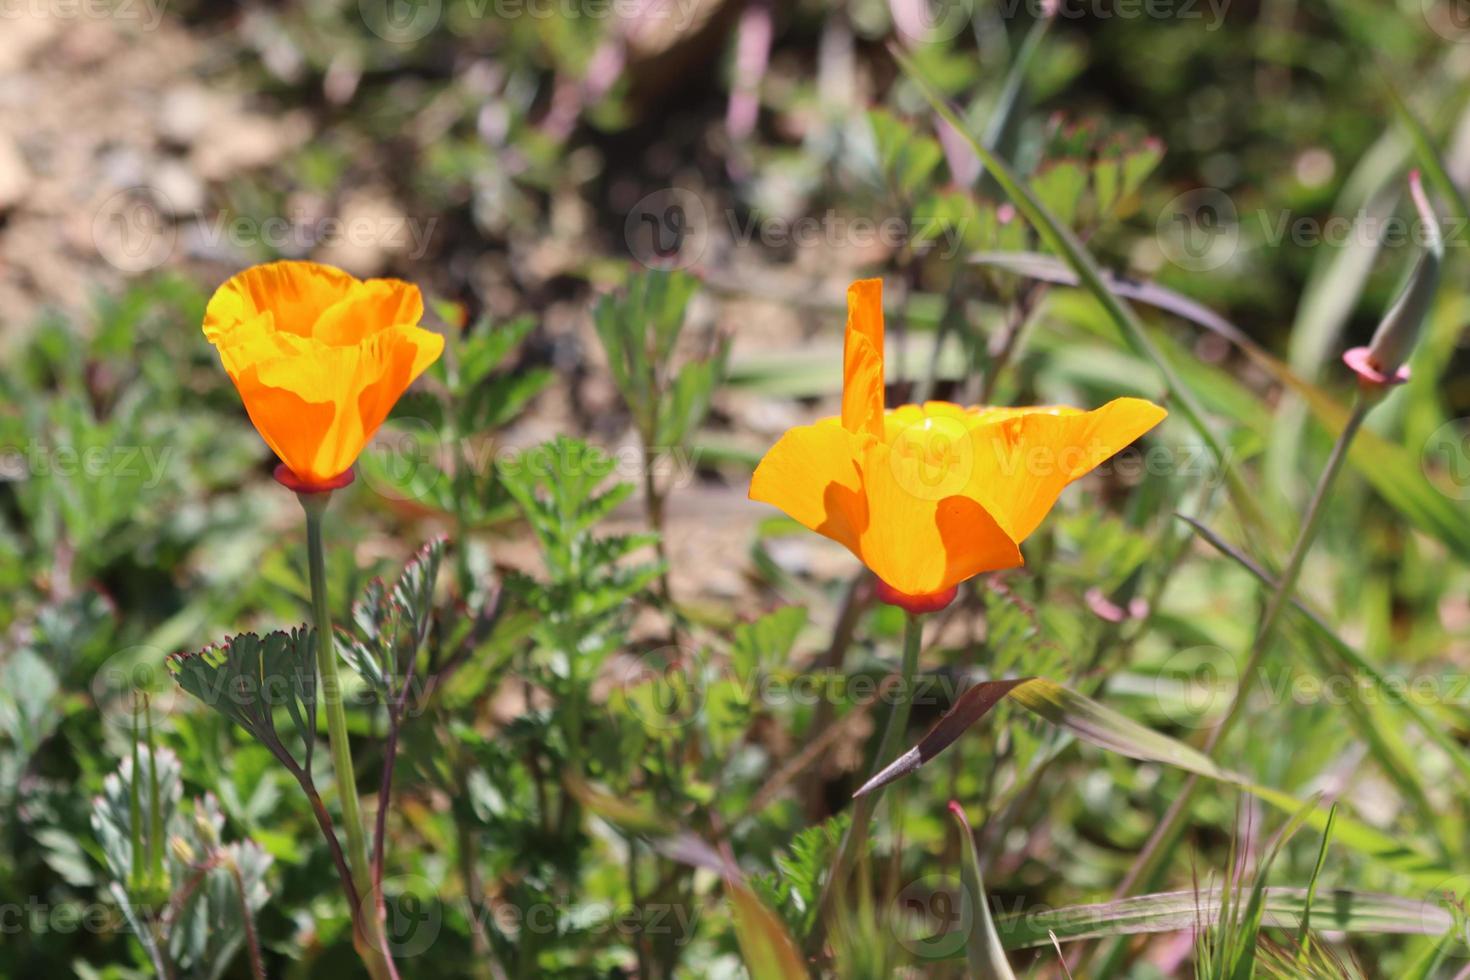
x: 862, y: 359
x: 1024, y: 458
x: 919, y: 538
x: 812, y: 474
x: 318, y: 389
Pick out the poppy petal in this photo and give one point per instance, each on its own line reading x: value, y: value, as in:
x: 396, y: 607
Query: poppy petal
x: 920, y: 539
x: 811, y: 474
x: 360, y: 383
x: 1024, y: 458
x: 370, y: 307
x: 862, y: 359
x: 296, y: 294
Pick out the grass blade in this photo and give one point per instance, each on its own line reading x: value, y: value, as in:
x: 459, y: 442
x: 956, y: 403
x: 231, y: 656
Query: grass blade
x: 983, y: 949
x: 1101, y: 726
x: 765, y: 945
x: 1335, y: 910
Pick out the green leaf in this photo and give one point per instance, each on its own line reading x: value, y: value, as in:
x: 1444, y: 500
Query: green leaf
x: 494, y: 402
x: 1059, y: 187
x: 766, y: 642
x: 487, y: 347
x: 983, y: 947
x: 248, y: 678
x: 908, y: 159
x: 391, y: 626
x: 765, y: 945
x: 130, y: 792
x: 684, y: 407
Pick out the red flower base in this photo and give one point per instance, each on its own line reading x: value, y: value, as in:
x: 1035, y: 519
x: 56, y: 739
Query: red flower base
x: 1369, y: 376
x: 916, y: 604
x: 291, y: 481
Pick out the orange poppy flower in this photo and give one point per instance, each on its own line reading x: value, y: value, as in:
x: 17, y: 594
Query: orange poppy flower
x: 319, y: 359
x: 928, y: 495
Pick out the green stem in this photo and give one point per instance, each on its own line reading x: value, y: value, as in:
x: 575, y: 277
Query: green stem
x: 862, y: 810
x: 1150, y: 863
x: 343, y: 771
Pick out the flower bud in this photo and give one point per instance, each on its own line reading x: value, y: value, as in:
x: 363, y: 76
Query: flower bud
x: 1382, y: 362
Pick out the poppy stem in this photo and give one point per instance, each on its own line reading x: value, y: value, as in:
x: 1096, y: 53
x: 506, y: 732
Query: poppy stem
x: 862, y: 810
x: 343, y: 771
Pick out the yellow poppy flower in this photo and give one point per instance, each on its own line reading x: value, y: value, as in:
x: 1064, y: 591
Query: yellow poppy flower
x: 928, y: 495
x: 319, y: 359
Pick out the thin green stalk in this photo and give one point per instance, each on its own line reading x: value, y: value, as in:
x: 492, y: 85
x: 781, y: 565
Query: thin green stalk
x: 315, y: 504
x: 862, y: 811
x: 135, y: 811
x: 155, y: 807
x: 1150, y: 863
